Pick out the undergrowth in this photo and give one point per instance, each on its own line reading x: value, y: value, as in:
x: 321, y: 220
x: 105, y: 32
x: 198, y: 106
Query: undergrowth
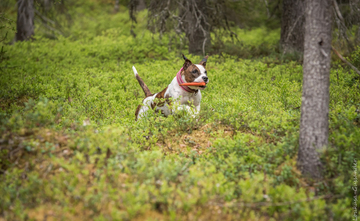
x: 71, y: 149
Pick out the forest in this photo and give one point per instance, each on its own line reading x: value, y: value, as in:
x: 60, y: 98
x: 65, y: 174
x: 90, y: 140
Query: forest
x: 277, y: 136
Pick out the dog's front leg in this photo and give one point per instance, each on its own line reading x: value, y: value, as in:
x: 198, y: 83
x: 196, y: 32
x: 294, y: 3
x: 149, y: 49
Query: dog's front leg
x: 197, y: 109
x: 191, y: 111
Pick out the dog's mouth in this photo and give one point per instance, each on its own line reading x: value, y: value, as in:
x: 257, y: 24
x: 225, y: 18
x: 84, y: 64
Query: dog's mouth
x: 198, y: 87
x: 201, y: 87
x: 204, y: 86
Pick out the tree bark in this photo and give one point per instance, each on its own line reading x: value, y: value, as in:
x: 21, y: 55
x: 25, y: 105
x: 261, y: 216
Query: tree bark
x: 47, y: 4
x: 25, y: 20
x: 141, y: 6
x: 116, y: 6
x: 198, y: 32
x: 314, y: 125
x: 292, y: 26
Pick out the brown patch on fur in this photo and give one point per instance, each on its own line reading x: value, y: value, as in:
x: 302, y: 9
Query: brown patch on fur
x: 167, y: 99
x: 159, y: 101
x: 143, y: 86
x: 191, y: 73
x: 137, y: 112
x: 160, y: 96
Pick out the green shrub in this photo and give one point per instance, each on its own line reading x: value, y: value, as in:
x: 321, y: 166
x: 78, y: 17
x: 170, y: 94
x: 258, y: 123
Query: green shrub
x: 70, y: 144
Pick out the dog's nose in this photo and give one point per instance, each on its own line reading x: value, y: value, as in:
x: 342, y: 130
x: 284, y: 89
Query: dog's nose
x: 205, y: 78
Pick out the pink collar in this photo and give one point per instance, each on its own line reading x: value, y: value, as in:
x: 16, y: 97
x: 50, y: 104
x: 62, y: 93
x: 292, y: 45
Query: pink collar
x: 180, y: 81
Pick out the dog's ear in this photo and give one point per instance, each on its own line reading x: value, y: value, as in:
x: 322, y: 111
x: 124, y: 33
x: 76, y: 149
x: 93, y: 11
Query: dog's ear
x: 187, y: 62
x: 204, y: 60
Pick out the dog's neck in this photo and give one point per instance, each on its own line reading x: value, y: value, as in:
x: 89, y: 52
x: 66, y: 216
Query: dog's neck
x: 181, y: 81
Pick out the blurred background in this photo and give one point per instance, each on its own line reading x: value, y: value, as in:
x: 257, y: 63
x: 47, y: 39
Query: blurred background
x: 246, y: 29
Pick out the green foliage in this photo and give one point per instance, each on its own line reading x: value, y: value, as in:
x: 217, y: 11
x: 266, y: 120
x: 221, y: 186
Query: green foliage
x: 6, y: 27
x: 70, y: 147
x: 355, y: 57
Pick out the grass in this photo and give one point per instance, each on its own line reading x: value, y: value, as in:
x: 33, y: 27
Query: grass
x: 71, y: 150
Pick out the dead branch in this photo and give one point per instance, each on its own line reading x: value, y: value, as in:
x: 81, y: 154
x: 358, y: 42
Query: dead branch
x: 344, y: 60
x: 49, y: 27
x: 2, y: 17
x: 188, y: 18
x: 292, y: 29
x: 44, y: 17
x: 336, y: 6
x: 341, y: 24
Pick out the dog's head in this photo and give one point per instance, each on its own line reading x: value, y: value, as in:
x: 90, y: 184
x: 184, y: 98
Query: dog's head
x: 195, y: 73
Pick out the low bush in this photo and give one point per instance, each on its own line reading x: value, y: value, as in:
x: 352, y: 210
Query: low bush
x: 71, y: 149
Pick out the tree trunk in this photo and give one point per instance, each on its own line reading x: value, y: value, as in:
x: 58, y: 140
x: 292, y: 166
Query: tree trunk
x: 141, y: 6
x: 292, y: 26
x: 47, y: 4
x: 25, y: 20
x: 199, y: 37
x: 116, y: 6
x: 314, y: 124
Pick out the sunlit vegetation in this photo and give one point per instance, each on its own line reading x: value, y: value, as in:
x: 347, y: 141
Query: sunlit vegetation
x: 71, y: 149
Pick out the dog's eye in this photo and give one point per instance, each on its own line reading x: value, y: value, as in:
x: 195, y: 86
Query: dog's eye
x: 194, y: 71
x: 206, y: 72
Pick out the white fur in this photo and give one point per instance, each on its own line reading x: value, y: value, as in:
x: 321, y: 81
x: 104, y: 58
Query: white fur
x: 202, y: 69
x: 200, y: 78
x: 146, y: 106
x: 181, y: 99
x: 134, y: 70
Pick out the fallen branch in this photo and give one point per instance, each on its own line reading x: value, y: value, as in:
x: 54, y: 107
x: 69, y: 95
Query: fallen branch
x: 343, y: 59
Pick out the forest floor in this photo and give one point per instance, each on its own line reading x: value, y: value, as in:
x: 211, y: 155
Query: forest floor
x: 72, y: 150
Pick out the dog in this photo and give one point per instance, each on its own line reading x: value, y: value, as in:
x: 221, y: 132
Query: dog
x: 175, y: 97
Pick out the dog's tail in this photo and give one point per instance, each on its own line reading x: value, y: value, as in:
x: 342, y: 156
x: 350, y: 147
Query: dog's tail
x: 141, y: 82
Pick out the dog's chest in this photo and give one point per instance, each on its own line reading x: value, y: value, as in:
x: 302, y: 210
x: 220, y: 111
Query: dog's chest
x: 181, y: 96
